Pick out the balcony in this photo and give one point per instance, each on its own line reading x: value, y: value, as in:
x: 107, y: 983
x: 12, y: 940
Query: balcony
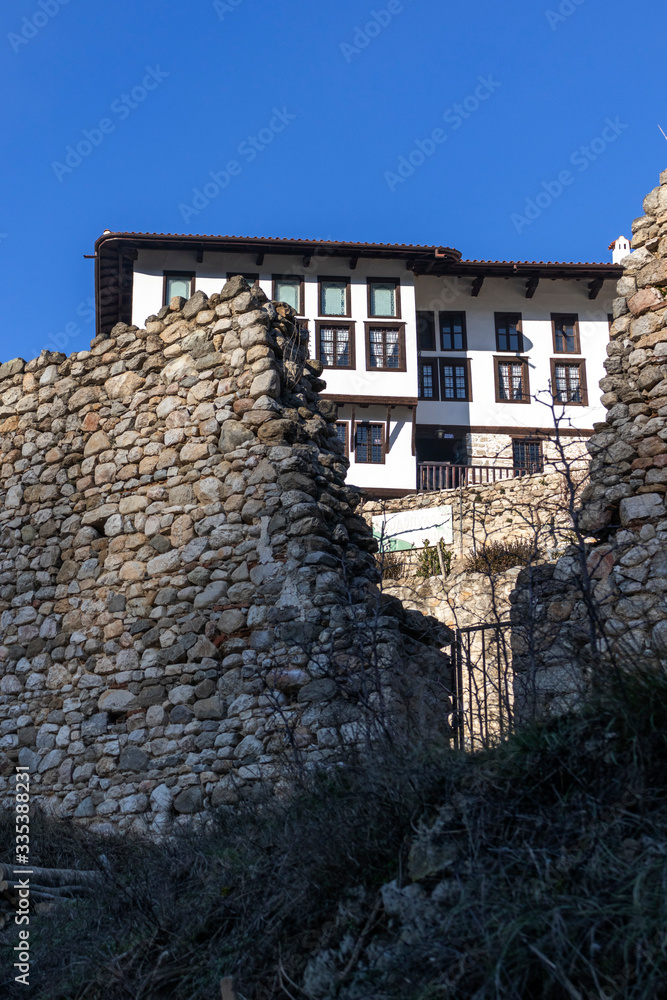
x: 432, y: 476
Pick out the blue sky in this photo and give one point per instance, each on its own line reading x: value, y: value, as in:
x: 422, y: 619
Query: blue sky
x: 416, y: 121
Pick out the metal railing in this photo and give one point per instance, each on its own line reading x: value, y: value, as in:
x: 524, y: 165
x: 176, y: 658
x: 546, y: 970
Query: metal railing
x: 484, y: 690
x: 433, y: 476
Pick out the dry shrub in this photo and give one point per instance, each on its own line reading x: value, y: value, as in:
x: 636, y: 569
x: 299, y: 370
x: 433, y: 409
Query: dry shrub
x: 496, y: 557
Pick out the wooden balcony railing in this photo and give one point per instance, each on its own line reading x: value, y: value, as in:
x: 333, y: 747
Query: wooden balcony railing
x: 444, y: 476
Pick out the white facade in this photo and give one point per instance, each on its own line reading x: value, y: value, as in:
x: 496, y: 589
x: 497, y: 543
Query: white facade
x: 483, y: 411
x: 391, y: 425
x: 364, y: 394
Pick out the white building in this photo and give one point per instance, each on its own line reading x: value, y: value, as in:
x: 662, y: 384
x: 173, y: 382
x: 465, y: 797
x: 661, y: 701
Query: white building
x: 433, y: 360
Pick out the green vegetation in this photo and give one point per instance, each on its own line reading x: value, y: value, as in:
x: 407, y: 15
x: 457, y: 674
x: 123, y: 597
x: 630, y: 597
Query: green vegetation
x: 429, y: 561
x: 536, y: 870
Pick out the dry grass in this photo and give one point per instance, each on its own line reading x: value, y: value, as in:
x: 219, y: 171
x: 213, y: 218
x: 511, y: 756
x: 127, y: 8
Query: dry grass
x: 545, y: 879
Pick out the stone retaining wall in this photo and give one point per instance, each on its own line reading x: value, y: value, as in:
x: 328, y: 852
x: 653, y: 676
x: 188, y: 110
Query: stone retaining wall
x: 186, y: 592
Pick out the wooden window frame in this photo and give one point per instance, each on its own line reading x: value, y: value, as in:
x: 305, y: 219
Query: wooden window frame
x: 275, y: 278
x: 250, y: 278
x: 528, y: 439
x: 506, y: 359
x: 580, y: 363
x: 402, y: 361
x: 498, y: 318
x: 348, y: 295
x: 192, y: 275
x: 464, y: 330
x: 465, y: 362
x: 348, y: 324
x: 345, y: 424
x: 431, y: 314
x: 383, y: 435
x: 555, y: 317
x: 433, y: 362
x: 397, y: 296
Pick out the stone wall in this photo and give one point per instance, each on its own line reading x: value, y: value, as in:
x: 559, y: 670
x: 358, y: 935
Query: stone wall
x: 496, y: 449
x: 535, y: 507
x: 188, y: 600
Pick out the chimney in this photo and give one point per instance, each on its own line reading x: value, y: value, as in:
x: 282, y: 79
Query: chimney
x: 621, y: 248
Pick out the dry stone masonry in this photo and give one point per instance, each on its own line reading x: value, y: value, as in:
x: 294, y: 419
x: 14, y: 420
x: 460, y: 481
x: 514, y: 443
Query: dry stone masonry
x: 186, y: 592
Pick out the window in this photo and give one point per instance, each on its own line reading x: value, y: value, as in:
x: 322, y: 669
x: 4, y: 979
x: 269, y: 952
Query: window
x: 335, y: 344
x: 455, y: 382
x: 289, y: 289
x: 509, y: 336
x: 369, y: 444
x: 527, y: 456
x: 385, y: 348
x: 565, y: 333
x: 453, y: 334
x: 425, y: 331
x: 512, y: 381
x: 568, y: 382
x: 428, y: 380
x: 334, y: 297
x: 384, y: 298
x: 177, y: 283
x: 342, y: 433
x: 250, y: 278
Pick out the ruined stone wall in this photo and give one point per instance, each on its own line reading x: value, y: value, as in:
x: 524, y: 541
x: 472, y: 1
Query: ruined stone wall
x: 186, y: 592
x: 623, y: 505
x: 496, y: 449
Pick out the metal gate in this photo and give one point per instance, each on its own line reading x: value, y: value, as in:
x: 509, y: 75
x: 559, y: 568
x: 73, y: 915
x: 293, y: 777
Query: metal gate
x: 484, y: 690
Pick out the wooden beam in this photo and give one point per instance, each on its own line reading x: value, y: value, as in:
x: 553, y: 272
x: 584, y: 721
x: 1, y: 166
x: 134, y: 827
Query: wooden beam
x: 414, y: 430
x: 306, y: 260
x: 531, y: 286
x: 388, y: 431
x: 594, y: 287
x: 477, y: 286
x: 200, y: 255
x: 352, y: 422
x: 259, y: 259
x: 353, y: 263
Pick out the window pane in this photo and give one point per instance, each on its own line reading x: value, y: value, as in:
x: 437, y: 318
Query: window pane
x: 383, y: 299
x: 335, y: 346
x: 565, y: 334
x: 391, y: 348
x: 288, y: 290
x: 377, y: 348
x: 425, y: 331
x: 334, y: 295
x: 341, y: 431
x: 509, y: 337
x: 527, y: 456
x: 178, y: 286
x: 452, y: 331
x: 426, y: 383
x: 510, y: 381
x: 368, y: 440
